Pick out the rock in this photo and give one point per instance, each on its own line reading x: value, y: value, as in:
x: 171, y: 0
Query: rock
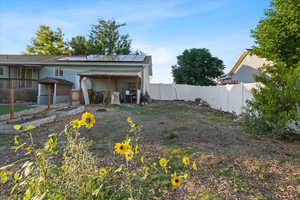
x: 201, y: 102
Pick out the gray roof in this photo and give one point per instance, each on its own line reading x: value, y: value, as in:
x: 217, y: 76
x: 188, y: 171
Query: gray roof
x: 62, y: 59
x: 92, y: 60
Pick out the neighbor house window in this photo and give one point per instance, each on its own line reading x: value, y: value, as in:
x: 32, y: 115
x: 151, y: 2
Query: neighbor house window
x: 1, y: 71
x: 59, y: 71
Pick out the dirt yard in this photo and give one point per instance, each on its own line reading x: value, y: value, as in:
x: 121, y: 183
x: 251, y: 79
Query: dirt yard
x: 233, y: 164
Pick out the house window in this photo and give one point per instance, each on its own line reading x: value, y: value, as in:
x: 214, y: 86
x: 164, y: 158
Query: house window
x: 59, y: 71
x: 1, y: 71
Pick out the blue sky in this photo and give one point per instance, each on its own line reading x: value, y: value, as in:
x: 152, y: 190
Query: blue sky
x: 161, y: 28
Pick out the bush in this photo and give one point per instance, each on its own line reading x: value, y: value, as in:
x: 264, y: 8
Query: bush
x: 273, y: 108
x: 71, y: 172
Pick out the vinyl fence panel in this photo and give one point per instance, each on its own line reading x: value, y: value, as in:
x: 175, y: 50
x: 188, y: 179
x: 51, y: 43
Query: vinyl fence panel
x: 229, y: 98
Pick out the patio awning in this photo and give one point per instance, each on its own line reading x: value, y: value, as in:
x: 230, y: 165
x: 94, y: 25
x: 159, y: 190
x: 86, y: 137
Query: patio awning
x: 94, y: 73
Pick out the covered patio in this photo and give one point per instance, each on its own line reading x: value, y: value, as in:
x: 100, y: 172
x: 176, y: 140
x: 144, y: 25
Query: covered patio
x: 111, y: 87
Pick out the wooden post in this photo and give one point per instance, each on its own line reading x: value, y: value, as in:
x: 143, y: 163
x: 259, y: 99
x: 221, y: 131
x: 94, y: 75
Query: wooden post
x: 11, y: 104
x: 80, y: 91
x: 49, y: 96
x: 9, y: 78
x: 137, y: 88
x: 70, y: 98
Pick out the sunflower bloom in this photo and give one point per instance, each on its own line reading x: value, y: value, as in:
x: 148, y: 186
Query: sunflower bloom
x: 194, y: 166
x: 17, y: 140
x: 142, y: 159
x: 163, y: 162
x: 88, y: 119
x: 64, y: 167
x: 129, y: 156
x: 30, y: 127
x: 29, y: 149
x: 136, y: 149
x: 18, y: 127
x: 185, y: 160
x: 123, y: 148
x: 176, y: 181
x: 77, y: 124
x: 103, y: 172
x: 129, y: 120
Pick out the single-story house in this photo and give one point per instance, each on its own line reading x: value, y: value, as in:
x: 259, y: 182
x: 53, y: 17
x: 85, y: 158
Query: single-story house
x: 31, y: 74
x: 245, y: 69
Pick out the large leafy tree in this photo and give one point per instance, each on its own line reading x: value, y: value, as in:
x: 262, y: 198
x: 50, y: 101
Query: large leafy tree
x: 278, y: 40
x: 79, y: 45
x: 197, y: 67
x: 278, y: 34
x: 48, y: 42
x: 104, y: 38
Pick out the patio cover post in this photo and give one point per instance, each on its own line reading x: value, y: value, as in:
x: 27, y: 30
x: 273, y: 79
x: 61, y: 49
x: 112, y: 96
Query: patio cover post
x: 70, y: 98
x: 49, y: 96
x: 11, y: 103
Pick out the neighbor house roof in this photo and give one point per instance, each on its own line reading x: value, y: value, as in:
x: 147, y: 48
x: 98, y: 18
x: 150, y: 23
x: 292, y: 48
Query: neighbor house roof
x: 58, y: 81
x: 238, y: 62
x: 249, y: 60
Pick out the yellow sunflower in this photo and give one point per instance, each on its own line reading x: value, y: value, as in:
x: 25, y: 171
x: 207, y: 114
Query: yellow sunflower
x: 129, y: 155
x: 88, y: 119
x: 136, y: 149
x: 185, y: 160
x: 64, y: 167
x: 123, y: 148
x: 29, y: 149
x: 18, y: 127
x: 142, y: 159
x: 103, y: 172
x: 17, y: 140
x: 77, y: 123
x: 176, y: 181
x: 163, y: 162
x: 129, y: 120
x: 30, y: 127
x: 194, y: 166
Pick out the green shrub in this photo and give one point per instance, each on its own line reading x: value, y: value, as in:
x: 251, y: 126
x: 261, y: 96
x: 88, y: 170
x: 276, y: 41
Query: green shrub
x: 273, y: 108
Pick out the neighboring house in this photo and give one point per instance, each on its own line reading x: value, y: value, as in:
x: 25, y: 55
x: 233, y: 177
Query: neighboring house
x: 245, y: 69
x: 114, y: 73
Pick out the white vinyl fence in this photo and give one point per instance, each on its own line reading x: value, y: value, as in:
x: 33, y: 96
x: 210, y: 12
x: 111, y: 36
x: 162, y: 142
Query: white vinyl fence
x: 229, y: 98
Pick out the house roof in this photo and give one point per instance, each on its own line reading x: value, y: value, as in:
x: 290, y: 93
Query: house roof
x: 92, y: 60
x: 67, y: 59
x: 58, y: 81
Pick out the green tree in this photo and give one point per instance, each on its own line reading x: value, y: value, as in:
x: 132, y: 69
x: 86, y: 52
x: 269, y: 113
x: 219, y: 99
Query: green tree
x: 79, y: 46
x: 48, y: 42
x: 197, y: 67
x: 105, y: 39
x: 278, y: 34
x: 278, y: 40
